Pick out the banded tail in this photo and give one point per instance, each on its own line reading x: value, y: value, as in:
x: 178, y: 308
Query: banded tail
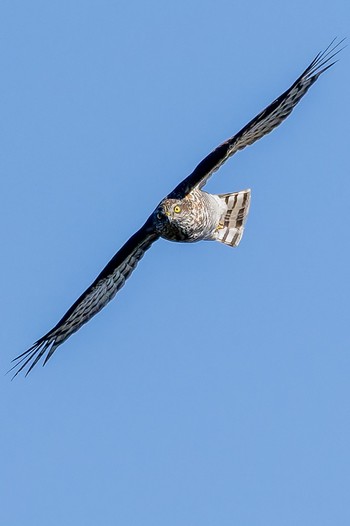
x: 231, y: 225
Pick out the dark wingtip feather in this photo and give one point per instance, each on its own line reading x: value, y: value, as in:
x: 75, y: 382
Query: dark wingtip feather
x: 323, y: 58
x: 33, y: 354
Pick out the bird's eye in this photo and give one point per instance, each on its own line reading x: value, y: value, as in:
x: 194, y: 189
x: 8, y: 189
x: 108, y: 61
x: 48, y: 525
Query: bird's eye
x: 177, y: 209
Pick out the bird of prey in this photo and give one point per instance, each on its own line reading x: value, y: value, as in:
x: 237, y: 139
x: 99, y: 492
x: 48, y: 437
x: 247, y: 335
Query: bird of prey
x: 187, y: 214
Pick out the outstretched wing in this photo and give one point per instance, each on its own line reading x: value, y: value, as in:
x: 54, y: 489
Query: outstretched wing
x: 262, y: 124
x: 100, y: 292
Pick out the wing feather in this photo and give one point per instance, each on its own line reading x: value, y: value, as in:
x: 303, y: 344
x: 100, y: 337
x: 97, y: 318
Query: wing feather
x: 100, y: 292
x: 262, y: 124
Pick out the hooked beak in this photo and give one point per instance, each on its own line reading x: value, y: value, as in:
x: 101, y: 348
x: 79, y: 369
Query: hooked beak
x: 163, y: 213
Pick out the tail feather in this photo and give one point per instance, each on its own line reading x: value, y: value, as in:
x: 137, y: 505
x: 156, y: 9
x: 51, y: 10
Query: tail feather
x: 231, y: 225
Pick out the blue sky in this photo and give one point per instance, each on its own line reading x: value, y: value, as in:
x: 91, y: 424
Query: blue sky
x: 215, y: 388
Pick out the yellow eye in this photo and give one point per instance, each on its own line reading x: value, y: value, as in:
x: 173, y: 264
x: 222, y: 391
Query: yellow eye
x: 177, y: 209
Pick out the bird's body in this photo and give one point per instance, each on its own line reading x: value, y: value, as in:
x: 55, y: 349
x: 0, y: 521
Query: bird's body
x: 193, y: 218
x: 187, y: 214
x: 202, y: 217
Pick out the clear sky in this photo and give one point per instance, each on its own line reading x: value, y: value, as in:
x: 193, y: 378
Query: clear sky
x: 215, y: 388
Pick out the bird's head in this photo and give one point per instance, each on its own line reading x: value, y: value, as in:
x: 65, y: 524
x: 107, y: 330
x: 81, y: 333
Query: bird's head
x: 172, y: 219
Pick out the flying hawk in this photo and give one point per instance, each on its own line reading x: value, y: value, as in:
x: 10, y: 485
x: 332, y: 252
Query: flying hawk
x: 187, y: 214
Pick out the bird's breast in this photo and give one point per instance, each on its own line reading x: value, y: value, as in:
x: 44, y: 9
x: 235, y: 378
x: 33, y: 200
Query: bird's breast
x: 172, y: 231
